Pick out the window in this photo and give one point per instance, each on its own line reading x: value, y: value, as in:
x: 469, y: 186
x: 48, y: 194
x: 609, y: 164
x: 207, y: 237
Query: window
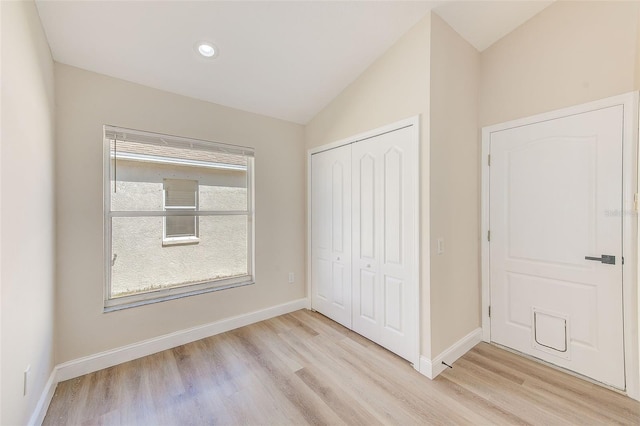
x: 180, y: 195
x: 178, y: 217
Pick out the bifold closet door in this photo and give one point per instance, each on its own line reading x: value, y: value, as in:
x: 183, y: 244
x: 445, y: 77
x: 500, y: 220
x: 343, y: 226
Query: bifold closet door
x: 384, y: 220
x: 331, y: 234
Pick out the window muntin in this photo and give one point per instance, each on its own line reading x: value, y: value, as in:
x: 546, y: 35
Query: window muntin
x: 178, y: 217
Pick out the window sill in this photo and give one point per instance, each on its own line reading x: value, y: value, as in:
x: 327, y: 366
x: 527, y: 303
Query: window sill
x: 168, y: 242
x: 141, y: 299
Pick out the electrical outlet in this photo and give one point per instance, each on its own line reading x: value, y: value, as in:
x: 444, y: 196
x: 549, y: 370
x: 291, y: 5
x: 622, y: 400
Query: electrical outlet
x: 291, y: 278
x: 26, y: 380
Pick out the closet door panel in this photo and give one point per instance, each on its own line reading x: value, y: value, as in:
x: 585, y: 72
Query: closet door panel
x: 385, y: 211
x: 331, y: 234
x: 366, y: 299
x: 340, y: 274
x: 366, y: 189
x: 393, y: 207
x: 367, y: 293
x: 393, y: 292
x: 338, y: 214
x: 322, y: 269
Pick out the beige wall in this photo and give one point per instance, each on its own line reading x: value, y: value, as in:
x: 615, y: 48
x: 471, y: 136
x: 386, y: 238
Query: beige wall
x: 570, y: 53
x: 393, y: 88
x: 85, y: 102
x: 455, y: 283
x: 27, y: 223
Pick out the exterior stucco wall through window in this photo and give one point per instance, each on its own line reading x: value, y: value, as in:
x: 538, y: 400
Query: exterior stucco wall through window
x: 139, y: 260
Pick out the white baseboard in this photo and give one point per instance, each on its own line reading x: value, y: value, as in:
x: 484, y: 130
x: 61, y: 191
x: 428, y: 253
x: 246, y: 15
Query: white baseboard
x: 37, y: 417
x: 432, y: 368
x: 99, y: 361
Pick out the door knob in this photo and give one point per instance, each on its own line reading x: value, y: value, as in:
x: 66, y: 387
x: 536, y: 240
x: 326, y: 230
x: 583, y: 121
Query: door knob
x: 605, y: 258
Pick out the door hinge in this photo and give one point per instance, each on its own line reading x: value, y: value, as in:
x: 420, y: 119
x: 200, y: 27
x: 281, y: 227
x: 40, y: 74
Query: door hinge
x: 635, y: 202
x: 489, y: 235
x: 489, y: 311
x: 623, y: 260
x: 489, y: 160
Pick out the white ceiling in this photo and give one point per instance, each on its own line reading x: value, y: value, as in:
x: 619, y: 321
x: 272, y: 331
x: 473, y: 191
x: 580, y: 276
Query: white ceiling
x: 281, y: 59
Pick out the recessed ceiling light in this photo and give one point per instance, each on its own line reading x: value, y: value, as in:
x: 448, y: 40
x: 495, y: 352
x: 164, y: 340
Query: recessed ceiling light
x: 206, y: 49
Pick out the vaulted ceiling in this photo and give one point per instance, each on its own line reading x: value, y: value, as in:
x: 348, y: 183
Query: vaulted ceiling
x: 281, y: 59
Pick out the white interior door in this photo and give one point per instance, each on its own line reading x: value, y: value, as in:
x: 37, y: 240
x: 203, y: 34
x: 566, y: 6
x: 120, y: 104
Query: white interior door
x: 331, y: 234
x: 385, y: 262
x: 556, y: 199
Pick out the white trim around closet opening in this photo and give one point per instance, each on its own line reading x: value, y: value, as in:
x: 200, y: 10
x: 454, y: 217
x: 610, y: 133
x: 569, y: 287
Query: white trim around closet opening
x: 414, y: 123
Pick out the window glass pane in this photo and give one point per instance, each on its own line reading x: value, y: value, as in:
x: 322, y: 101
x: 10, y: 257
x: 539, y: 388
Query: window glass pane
x: 173, y: 251
x: 138, y: 172
x: 222, y: 198
x: 180, y: 226
x: 180, y: 192
x: 141, y: 264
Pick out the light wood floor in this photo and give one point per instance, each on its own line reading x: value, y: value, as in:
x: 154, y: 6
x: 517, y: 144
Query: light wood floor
x: 302, y: 368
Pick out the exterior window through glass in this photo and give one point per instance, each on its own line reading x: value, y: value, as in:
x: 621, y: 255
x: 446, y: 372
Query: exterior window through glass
x: 178, y: 217
x: 180, y: 195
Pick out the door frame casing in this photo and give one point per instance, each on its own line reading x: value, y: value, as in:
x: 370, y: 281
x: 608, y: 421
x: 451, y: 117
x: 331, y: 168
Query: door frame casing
x: 630, y: 224
x: 414, y: 123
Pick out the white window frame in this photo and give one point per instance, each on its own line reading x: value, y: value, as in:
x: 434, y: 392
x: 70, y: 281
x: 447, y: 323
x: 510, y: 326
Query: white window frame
x: 173, y: 241
x: 123, y: 134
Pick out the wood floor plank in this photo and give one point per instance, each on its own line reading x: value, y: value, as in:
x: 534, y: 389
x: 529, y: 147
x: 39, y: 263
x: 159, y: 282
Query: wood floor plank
x: 573, y: 389
x: 555, y: 394
x: 353, y: 381
x: 408, y: 388
x: 345, y: 406
x: 285, y: 384
x: 266, y: 337
x: 530, y: 406
x: 492, y: 413
x: 302, y: 368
